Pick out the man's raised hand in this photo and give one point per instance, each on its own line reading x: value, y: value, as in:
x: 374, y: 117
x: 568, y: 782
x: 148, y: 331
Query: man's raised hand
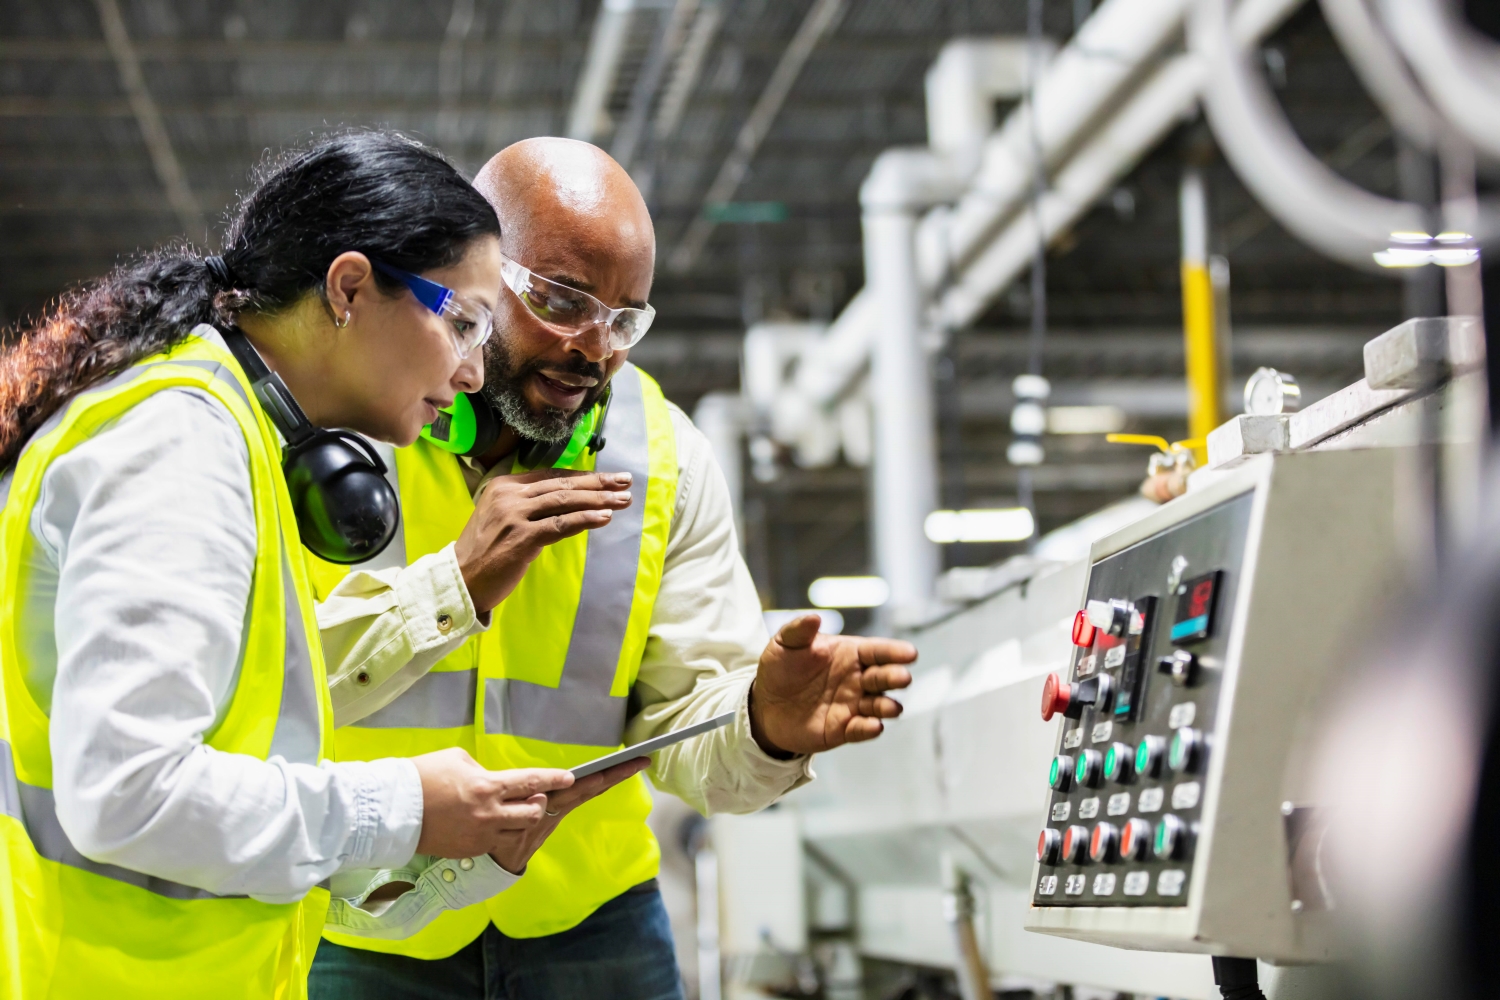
x: 814, y: 692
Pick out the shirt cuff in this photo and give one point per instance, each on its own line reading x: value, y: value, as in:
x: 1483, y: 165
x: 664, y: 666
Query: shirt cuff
x: 387, y: 811
x: 435, y: 601
x: 438, y: 884
x: 767, y: 771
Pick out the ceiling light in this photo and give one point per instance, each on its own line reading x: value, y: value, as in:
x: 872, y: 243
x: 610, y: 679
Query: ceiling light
x: 1446, y: 249
x: 1085, y: 419
x: 1001, y: 524
x: 833, y: 622
x: 848, y: 592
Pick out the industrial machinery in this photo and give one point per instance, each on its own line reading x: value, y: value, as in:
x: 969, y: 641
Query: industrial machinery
x: 1177, y: 810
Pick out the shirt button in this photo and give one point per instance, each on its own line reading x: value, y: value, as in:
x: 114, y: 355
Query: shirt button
x: 449, y: 875
x: 444, y: 622
x: 362, y: 678
x: 466, y: 863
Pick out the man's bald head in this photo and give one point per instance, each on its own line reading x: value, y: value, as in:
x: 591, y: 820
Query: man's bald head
x: 570, y: 203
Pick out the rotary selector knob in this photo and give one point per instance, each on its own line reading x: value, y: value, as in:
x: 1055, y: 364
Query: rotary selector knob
x: 1049, y: 846
x: 1075, y: 840
x: 1135, y: 839
x: 1181, y: 666
x: 1171, y: 838
x: 1148, y: 756
x: 1104, y: 843
x: 1119, y: 763
x: 1186, y: 751
x: 1060, y: 774
x: 1087, y: 770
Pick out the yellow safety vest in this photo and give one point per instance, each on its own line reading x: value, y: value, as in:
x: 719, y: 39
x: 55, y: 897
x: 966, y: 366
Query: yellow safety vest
x: 546, y: 685
x: 74, y: 928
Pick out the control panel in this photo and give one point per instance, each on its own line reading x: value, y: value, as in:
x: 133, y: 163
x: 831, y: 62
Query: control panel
x: 1138, y: 710
x: 1175, y: 797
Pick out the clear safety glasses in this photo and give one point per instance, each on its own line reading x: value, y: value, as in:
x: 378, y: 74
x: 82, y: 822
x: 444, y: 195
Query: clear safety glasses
x: 470, y: 322
x: 570, y: 311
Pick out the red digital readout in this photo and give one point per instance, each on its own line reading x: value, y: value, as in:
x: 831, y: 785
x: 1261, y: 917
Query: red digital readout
x: 1200, y: 598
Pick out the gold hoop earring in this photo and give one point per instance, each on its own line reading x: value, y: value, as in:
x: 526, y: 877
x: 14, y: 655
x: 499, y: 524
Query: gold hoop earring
x: 347, y: 317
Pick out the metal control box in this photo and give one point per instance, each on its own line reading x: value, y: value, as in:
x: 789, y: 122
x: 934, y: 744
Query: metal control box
x: 1179, y: 817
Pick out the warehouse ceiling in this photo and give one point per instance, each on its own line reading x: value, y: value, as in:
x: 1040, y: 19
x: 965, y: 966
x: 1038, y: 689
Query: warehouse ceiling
x: 101, y: 160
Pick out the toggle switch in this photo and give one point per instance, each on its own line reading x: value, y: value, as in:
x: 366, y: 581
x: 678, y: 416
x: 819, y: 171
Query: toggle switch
x: 1061, y: 698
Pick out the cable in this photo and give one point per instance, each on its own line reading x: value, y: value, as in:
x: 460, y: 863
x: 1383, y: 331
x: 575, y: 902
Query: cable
x: 1237, y: 978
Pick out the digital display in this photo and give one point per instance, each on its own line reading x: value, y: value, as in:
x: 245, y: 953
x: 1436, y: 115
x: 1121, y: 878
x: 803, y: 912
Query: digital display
x: 1196, y: 599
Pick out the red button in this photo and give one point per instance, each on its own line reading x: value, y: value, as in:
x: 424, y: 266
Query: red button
x: 1055, y: 697
x: 1083, y: 630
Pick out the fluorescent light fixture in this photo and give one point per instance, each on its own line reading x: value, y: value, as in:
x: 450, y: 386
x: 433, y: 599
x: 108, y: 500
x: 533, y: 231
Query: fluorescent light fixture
x: 1446, y: 249
x: 848, y: 592
x: 833, y: 622
x: 1001, y: 524
x: 1085, y: 419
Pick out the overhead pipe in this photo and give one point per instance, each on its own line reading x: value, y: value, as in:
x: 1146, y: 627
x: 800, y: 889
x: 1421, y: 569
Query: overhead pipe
x: 1459, y: 67
x: 600, y: 67
x: 1338, y: 218
x: 1379, y: 66
x: 1168, y: 95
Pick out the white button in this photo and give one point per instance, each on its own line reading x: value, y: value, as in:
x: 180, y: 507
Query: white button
x: 1136, y: 883
x: 1119, y: 804
x: 1104, y: 884
x: 444, y: 622
x: 1182, y: 715
x: 449, y: 874
x: 466, y: 863
x: 1088, y: 808
x: 1185, y: 795
x: 1150, y: 800
x: 1102, y: 731
x: 1060, y: 810
x: 1169, y: 883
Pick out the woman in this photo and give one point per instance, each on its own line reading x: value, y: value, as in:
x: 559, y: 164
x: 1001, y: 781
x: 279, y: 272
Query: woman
x: 166, y: 821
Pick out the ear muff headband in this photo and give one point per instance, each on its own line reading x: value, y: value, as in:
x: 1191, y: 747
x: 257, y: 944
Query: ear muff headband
x: 347, y: 511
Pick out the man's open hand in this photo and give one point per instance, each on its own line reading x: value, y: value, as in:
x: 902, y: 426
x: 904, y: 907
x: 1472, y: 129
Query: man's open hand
x: 515, y: 517
x: 814, y: 692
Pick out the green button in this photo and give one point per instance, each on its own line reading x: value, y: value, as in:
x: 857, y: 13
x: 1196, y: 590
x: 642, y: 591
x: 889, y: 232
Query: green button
x: 1052, y: 773
x: 1143, y: 757
x: 1081, y: 769
x: 1111, y: 764
x: 1160, y: 846
x: 1178, y: 753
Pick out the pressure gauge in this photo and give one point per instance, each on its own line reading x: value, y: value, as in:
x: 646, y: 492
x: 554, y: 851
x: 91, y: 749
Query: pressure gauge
x: 1269, y: 392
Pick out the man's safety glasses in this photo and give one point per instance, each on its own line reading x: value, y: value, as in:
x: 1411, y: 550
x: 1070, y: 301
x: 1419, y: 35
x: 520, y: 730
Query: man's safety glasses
x: 471, y: 322
x: 570, y: 311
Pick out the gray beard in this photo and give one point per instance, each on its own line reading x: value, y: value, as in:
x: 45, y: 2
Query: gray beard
x: 502, y: 387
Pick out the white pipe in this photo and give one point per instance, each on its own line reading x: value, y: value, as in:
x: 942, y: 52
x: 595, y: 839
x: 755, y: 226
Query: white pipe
x: 1084, y: 79
x: 597, y: 78
x: 721, y: 418
x: 1327, y: 212
x: 904, y: 469
x: 1459, y: 67
x: 1380, y: 68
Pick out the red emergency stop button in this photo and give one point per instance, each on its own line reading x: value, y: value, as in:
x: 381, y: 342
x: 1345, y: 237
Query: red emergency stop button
x: 1056, y: 695
x: 1083, y: 630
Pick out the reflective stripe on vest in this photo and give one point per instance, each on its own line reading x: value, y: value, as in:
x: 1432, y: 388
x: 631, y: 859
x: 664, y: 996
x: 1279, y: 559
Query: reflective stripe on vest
x: 439, y: 700
x: 580, y: 710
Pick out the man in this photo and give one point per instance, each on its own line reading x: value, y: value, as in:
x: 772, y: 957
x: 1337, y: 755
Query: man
x: 645, y: 624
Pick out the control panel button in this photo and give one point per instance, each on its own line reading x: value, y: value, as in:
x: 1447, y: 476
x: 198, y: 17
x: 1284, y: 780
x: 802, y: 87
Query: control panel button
x: 1135, y: 839
x: 1061, y: 698
x: 1181, y: 666
x: 1060, y: 774
x: 1112, y: 617
x: 1148, y: 755
x: 1171, y: 838
x: 1119, y: 763
x: 1075, y: 841
x: 1088, y: 767
x: 1186, y: 750
x: 1049, y: 846
x: 1083, y: 630
x: 1104, y: 843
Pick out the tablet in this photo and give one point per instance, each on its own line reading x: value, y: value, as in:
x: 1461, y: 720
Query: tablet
x: 648, y: 747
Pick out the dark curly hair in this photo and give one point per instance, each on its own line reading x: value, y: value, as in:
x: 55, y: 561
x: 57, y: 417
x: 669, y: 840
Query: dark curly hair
x: 376, y: 192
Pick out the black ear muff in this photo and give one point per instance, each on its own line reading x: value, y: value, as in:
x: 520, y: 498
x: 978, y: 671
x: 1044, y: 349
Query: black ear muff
x: 347, y: 511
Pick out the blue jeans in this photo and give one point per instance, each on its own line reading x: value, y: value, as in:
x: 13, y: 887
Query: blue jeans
x: 622, y: 951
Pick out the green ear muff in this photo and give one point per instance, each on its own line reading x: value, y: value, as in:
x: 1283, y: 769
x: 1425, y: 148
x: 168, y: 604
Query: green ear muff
x: 468, y: 427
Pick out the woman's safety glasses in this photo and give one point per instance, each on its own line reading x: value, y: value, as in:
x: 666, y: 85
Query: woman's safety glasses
x: 471, y: 322
x: 570, y: 311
